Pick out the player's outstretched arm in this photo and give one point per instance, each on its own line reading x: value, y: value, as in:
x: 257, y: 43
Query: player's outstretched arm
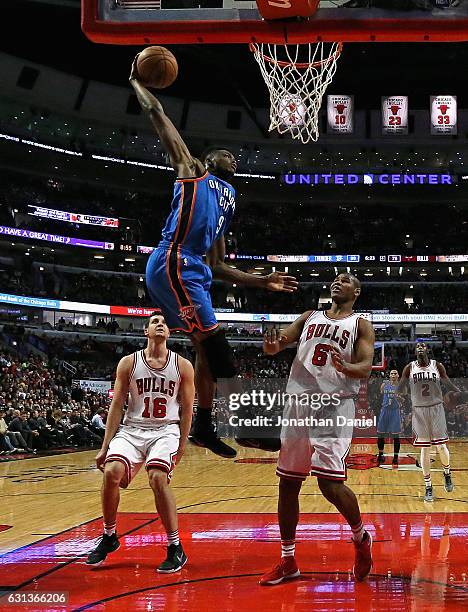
x: 116, y: 408
x: 186, y: 398
x: 277, y: 281
x: 364, y: 352
x: 276, y: 340
x: 183, y: 163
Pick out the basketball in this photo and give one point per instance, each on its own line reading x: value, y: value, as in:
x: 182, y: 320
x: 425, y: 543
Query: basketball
x: 157, y: 67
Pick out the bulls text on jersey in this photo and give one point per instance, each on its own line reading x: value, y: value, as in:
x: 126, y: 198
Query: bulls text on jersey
x: 156, y: 384
x: 324, y: 330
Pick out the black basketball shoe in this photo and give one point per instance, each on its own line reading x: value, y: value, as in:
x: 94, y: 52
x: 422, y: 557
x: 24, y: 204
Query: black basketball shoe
x: 106, y: 545
x: 429, y: 495
x: 267, y: 444
x: 175, y: 560
x: 204, y: 435
x: 448, y: 484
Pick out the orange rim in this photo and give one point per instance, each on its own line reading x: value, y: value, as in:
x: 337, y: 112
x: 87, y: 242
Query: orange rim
x: 301, y: 65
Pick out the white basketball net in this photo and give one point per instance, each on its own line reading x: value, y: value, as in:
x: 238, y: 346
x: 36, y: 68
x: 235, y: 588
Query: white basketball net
x: 297, y: 77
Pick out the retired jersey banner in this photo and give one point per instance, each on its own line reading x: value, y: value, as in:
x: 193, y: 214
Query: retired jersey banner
x: 444, y: 115
x: 394, y: 114
x: 340, y: 114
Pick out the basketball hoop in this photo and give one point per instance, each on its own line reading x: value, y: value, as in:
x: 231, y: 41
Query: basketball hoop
x: 297, y: 77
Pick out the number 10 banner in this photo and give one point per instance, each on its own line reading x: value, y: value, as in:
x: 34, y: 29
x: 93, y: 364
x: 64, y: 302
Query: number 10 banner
x: 394, y: 114
x: 340, y: 110
x: 444, y: 115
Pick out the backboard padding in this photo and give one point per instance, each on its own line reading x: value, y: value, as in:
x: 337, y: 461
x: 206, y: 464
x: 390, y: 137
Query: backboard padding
x: 104, y: 21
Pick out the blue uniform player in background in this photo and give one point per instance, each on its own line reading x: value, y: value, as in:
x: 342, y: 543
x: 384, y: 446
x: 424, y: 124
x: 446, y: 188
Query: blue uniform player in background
x: 389, y: 422
x: 177, y: 277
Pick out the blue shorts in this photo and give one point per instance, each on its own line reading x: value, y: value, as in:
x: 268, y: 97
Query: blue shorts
x: 389, y: 421
x: 179, y: 284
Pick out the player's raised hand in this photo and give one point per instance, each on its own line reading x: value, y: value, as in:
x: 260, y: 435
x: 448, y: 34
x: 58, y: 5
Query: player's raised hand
x: 134, y: 72
x: 337, y: 359
x: 280, y: 281
x: 272, y: 341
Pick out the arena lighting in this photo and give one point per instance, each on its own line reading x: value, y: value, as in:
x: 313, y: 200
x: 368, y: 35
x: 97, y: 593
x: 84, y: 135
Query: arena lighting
x: 259, y: 176
x: 41, y: 145
x: 169, y: 168
x: 146, y: 165
x: 115, y: 160
x: 6, y: 137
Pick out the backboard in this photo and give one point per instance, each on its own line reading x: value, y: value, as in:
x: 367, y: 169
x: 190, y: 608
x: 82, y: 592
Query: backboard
x: 143, y: 22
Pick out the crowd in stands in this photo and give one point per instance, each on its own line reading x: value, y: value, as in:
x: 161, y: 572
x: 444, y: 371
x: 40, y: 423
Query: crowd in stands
x: 41, y: 410
x: 426, y: 299
x: 130, y: 290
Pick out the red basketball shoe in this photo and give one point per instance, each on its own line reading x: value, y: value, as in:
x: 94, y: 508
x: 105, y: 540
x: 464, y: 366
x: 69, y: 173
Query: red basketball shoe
x: 363, y: 557
x: 285, y: 570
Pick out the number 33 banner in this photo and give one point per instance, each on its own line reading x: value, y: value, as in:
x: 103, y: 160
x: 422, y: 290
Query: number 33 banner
x: 444, y: 115
x: 394, y: 114
x: 340, y: 110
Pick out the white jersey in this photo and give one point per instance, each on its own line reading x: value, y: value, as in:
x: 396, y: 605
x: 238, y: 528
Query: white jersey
x: 153, y: 393
x: 425, y: 384
x: 312, y: 370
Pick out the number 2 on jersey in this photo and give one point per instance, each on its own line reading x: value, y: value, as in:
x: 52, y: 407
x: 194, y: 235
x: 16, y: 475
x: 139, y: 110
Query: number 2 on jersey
x: 159, y: 408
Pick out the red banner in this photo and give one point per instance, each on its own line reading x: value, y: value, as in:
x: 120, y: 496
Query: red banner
x: 131, y: 311
x: 285, y: 9
x: 364, y: 411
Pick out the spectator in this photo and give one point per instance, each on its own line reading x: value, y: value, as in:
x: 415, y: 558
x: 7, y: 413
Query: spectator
x: 19, y: 425
x: 98, y: 422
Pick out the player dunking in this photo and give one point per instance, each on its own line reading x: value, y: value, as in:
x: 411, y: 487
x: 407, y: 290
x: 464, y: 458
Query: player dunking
x: 335, y: 349
x: 177, y: 278
x: 389, y: 422
x: 154, y: 432
x: 425, y: 377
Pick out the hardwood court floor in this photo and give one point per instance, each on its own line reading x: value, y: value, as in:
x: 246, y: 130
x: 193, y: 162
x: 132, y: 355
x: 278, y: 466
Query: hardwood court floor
x: 228, y: 526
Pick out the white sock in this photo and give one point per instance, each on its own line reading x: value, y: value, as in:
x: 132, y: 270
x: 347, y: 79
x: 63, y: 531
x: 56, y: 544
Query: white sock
x: 426, y: 465
x: 358, y: 531
x: 173, y: 538
x: 288, y: 548
x: 444, y: 456
x: 109, y: 529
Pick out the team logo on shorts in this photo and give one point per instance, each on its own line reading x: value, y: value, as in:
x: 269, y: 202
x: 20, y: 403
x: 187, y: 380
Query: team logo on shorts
x: 187, y: 312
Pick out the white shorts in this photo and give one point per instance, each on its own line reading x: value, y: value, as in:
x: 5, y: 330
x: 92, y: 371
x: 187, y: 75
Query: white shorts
x: 133, y: 446
x: 429, y: 425
x: 321, y: 451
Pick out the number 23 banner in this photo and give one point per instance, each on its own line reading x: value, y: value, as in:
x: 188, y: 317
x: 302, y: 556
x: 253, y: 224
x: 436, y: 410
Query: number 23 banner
x: 394, y: 114
x: 340, y: 110
x: 444, y: 115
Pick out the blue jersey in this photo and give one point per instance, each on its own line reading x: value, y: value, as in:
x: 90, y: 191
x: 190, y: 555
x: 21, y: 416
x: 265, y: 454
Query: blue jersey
x: 389, y: 396
x: 201, y: 211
